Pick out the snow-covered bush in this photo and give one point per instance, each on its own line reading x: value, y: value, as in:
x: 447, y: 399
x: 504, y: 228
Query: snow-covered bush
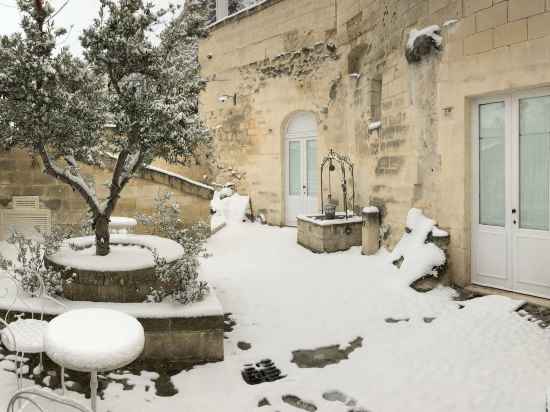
x: 179, y: 279
x: 29, y: 269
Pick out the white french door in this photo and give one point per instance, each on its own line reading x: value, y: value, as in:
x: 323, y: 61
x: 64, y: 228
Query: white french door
x: 302, y: 174
x: 511, y: 208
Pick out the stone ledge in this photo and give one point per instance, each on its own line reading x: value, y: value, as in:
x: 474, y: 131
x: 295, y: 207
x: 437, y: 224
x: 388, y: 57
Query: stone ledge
x: 241, y: 14
x: 485, y: 290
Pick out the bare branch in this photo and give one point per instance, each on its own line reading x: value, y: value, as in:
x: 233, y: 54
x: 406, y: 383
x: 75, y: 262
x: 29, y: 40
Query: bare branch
x: 127, y: 165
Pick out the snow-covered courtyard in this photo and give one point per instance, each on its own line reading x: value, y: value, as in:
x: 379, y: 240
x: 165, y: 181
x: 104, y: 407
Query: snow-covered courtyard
x: 416, y: 351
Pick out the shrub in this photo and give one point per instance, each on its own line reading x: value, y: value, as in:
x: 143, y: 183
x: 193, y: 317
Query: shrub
x: 179, y: 279
x: 29, y: 269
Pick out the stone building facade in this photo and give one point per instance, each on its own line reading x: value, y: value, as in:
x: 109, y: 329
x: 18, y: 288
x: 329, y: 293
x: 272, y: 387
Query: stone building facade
x: 343, y: 62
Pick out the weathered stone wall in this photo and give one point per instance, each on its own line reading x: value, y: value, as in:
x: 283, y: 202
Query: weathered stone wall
x: 21, y: 175
x: 292, y: 55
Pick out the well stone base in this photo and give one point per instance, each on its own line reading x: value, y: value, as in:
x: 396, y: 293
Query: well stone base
x: 322, y: 236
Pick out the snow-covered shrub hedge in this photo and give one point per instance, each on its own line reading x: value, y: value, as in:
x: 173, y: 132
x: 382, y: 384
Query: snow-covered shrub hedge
x: 179, y: 279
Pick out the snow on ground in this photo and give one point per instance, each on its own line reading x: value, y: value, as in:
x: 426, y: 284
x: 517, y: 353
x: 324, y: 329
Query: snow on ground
x: 478, y: 355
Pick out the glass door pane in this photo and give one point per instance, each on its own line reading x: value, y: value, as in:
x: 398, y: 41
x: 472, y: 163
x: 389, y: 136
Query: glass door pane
x: 294, y: 168
x: 312, y: 168
x: 534, y: 148
x: 491, y: 164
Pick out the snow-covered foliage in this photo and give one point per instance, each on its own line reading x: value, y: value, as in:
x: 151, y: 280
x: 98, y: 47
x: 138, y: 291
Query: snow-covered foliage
x: 54, y: 105
x: 234, y: 7
x: 50, y: 104
x: 179, y: 278
x: 29, y: 269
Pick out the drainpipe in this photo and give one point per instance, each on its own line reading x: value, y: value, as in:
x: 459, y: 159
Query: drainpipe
x: 222, y: 9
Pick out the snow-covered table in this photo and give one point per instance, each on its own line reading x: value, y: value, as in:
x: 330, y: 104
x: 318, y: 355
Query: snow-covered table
x: 94, y: 340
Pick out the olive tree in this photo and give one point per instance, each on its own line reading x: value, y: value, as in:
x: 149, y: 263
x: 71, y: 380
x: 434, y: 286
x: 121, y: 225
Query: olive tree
x: 55, y: 105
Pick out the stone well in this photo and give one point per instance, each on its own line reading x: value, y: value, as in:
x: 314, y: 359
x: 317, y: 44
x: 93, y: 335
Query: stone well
x: 321, y: 235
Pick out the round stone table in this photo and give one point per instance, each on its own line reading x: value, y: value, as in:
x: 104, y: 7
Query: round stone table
x: 93, y: 340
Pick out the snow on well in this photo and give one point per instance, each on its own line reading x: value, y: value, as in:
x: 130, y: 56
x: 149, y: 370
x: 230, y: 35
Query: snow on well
x: 370, y: 210
x: 128, y: 252
x: 419, y: 258
x: 430, y: 31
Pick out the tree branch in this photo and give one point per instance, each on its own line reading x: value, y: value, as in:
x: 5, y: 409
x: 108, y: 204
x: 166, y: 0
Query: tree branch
x: 76, y: 181
x: 127, y: 164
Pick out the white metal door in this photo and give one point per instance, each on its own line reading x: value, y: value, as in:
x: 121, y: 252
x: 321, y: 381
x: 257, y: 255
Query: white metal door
x: 531, y: 195
x: 301, y: 176
x: 511, y: 219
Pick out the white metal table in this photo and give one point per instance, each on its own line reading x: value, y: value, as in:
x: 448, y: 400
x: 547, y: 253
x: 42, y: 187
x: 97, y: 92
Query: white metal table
x: 94, y: 340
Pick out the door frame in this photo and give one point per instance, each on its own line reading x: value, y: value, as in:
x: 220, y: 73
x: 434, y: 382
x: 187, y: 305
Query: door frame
x: 490, y: 280
x: 512, y: 189
x: 302, y: 138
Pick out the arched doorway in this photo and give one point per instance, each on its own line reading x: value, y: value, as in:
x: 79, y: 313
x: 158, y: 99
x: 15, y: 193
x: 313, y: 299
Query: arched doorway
x: 301, y: 166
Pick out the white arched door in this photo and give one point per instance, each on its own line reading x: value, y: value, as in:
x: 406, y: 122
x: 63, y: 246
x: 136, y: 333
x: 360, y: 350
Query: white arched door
x: 301, y: 167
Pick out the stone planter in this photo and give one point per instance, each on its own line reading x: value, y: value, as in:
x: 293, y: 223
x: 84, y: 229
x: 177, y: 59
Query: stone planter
x: 106, y: 286
x: 127, y: 275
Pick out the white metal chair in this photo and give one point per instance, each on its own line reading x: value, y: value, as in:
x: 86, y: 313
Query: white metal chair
x: 40, y: 400
x: 25, y: 335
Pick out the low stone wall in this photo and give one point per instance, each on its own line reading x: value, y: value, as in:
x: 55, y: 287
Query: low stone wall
x: 186, y: 340
x: 188, y: 335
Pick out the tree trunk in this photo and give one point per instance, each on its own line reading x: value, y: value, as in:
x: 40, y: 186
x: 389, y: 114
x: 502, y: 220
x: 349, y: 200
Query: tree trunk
x: 102, y: 236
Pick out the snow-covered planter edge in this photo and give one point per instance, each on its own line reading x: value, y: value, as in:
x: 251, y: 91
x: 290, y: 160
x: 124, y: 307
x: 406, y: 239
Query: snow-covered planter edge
x: 70, y: 254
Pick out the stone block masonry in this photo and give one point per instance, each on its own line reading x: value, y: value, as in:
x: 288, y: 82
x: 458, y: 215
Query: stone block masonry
x: 344, y: 61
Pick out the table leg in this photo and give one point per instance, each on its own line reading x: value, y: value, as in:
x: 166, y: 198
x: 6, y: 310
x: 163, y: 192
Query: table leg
x: 62, y: 381
x: 93, y: 388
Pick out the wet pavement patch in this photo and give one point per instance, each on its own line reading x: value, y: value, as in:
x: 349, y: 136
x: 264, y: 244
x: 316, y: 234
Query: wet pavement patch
x: 228, y: 323
x: 263, y: 402
x: 295, y: 401
x: 80, y: 382
x: 243, y: 345
x: 327, y: 355
x: 536, y: 314
x: 338, y: 396
x: 396, y: 320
